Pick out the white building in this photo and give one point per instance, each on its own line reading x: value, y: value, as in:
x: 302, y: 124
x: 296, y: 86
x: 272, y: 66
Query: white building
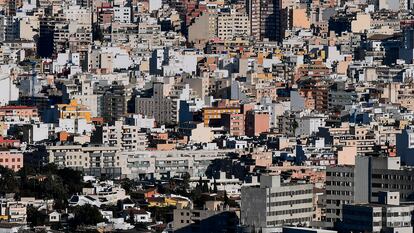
x: 125, y: 136
x: 122, y: 14
x: 93, y: 160
x: 74, y: 126
x: 8, y: 90
x: 159, y: 164
x: 143, y: 122
x: 307, y: 124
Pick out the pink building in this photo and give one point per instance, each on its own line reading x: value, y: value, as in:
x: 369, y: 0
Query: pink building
x: 11, y: 159
x: 21, y: 111
x: 256, y: 123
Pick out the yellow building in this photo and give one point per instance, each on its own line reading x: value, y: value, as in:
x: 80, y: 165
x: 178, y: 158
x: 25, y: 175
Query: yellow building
x: 74, y: 110
x: 167, y: 201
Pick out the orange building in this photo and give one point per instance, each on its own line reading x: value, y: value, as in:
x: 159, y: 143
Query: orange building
x: 73, y: 110
x: 215, y: 113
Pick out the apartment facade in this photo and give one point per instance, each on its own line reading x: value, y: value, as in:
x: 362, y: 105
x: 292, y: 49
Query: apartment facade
x: 93, y: 160
x: 171, y: 163
x: 265, y: 19
x: 388, y: 215
x: 124, y: 136
x: 273, y: 204
x: 191, y: 220
x: 232, y: 24
x: 162, y: 107
x: 12, y: 159
x: 364, y: 182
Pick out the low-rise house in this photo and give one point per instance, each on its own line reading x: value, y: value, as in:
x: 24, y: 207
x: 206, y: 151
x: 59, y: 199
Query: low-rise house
x: 13, y: 211
x: 54, y: 217
x: 139, y: 215
x: 163, y: 201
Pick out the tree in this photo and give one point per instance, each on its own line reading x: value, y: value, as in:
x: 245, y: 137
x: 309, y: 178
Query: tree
x: 205, y: 187
x: 8, y: 182
x: 35, y: 217
x: 295, y: 125
x: 71, y: 179
x: 86, y: 215
x: 215, y: 186
x: 164, y: 214
x: 128, y: 185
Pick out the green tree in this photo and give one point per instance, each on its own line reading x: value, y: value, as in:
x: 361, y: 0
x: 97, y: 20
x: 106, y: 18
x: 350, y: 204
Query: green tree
x: 128, y: 185
x: 86, y: 215
x: 35, y: 217
x: 8, y: 182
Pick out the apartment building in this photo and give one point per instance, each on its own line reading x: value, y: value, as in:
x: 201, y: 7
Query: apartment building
x: 122, y: 14
x: 339, y: 190
x: 257, y: 122
x: 150, y: 164
x: 12, y: 159
x: 127, y: 137
x: 388, y: 215
x: 212, y: 115
x: 163, y: 105
x: 363, y: 183
x: 191, y: 220
x: 273, y: 204
x: 114, y: 102
x: 74, y: 110
x: 233, y: 123
x: 405, y: 146
x: 81, y: 89
x: 93, y: 160
x: 19, y: 111
x: 232, y: 24
x: 266, y: 19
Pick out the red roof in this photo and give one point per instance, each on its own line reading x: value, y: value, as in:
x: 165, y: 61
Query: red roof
x: 16, y: 107
x: 7, y: 140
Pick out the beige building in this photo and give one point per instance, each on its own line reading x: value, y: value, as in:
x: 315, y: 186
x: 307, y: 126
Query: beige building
x: 222, y: 25
x: 93, y: 160
x: 29, y: 27
x: 232, y: 24
x: 203, y: 29
x: 346, y: 155
x: 197, y: 132
x: 361, y: 23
